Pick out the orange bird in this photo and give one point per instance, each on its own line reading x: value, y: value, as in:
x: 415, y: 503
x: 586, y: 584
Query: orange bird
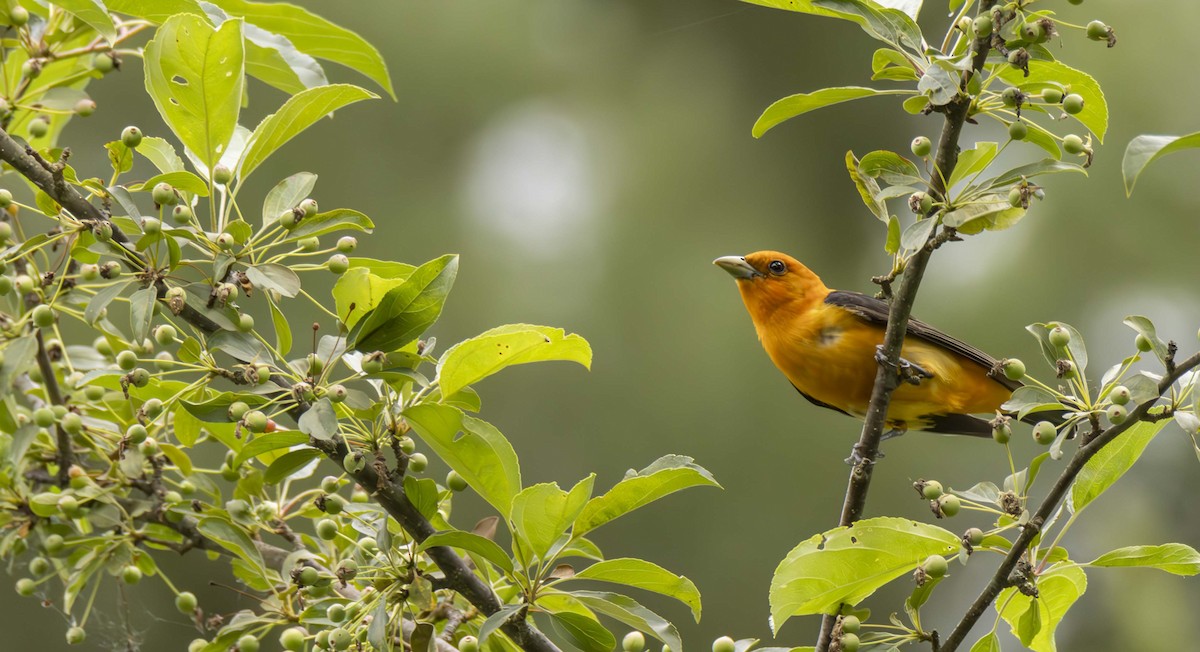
x: 825, y: 342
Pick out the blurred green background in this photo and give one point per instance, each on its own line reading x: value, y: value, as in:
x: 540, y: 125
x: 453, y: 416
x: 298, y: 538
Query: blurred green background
x: 589, y: 159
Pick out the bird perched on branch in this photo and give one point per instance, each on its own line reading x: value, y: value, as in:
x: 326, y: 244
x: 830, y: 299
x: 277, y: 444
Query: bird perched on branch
x: 827, y: 343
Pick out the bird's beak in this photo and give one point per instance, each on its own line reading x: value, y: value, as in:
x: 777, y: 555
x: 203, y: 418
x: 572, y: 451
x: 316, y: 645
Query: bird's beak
x: 737, y: 267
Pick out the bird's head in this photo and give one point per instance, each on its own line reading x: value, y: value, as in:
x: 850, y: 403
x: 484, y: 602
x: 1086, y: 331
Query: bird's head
x: 770, y: 281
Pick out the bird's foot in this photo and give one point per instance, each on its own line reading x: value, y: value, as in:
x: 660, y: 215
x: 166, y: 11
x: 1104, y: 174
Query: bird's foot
x: 892, y: 434
x: 909, y: 372
x: 856, y: 456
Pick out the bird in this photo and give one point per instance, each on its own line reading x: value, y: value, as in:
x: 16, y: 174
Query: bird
x: 827, y: 343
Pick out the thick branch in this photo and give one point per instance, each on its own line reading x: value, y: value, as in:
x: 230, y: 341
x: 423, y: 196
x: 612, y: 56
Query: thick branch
x: 1046, y: 510
x: 886, y: 378
x: 459, y: 576
x: 66, y: 455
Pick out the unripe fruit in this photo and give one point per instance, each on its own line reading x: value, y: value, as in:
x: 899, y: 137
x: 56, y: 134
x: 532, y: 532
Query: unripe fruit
x: 1117, y: 414
x: 69, y: 506
x: 1002, y: 433
x: 139, y: 377
x: 1073, y: 103
x: 26, y: 586
x: 346, y: 244
x: 186, y: 602
x: 151, y: 226
x: 354, y: 462
x: 1119, y: 395
x: 43, y: 417
x: 222, y: 175
x: 247, y: 643
x: 309, y: 244
x: 237, y: 410
x: 455, y: 481
x: 111, y: 269
x: 417, y: 462
x: 949, y: 504
x: 468, y: 644
x: 983, y: 26
x: 255, y: 421
x: 1073, y: 144
x: 407, y: 445
x: 165, y: 334
x: 849, y: 642
x: 53, y: 543
x: 76, y: 635
x: 372, y: 364
x: 634, y: 641
x: 1059, y: 336
x: 1032, y: 31
x: 336, y: 613
x: 131, y: 137
x: 921, y: 202
x: 935, y: 566
x: 921, y: 146
x: 245, y: 323
x: 1044, y: 433
x: 338, y: 264
x: 1052, y: 95
x: 723, y: 644
x: 181, y: 214
x: 334, y: 504
x: 43, y: 316
x: 85, y: 108
x: 148, y: 447
x: 1011, y: 96
x: 136, y: 434
x: 6, y: 285
x: 327, y: 529
x: 1018, y: 58
x: 238, y: 508
x: 1143, y: 343
x: 38, y: 127
x: 18, y: 15
x: 1097, y: 30
x: 1018, y: 131
x: 131, y: 574
x: 25, y: 283
x: 104, y: 63
x: 292, y: 639
x: 974, y: 536
x: 152, y: 407
x: 39, y: 566
x: 1014, y: 369
x: 31, y: 69
x: 5, y: 199
x: 225, y: 241
x: 308, y: 207
x: 850, y: 624
x: 337, y: 393
x: 164, y: 195
x: 1067, y: 369
x: 264, y: 374
x: 308, y: 576
x: 197, y: 645
x: 932, y: 489
x: 339, y: 638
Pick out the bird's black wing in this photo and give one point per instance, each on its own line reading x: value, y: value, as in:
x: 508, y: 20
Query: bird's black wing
x: 875, y: 311
x: 822, y: 403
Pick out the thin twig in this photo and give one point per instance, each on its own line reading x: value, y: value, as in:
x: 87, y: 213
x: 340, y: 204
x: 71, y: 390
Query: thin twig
x: 886, y: 379
x: 1045, y: 511
x: 66, y: 455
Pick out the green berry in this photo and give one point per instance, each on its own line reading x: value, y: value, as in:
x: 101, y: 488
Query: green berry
x: 104, y: 63
x: 6, y: 285
x: 25, y: 284
x: 334, y: 504
x: 263, y: 372
x: 247, y: 643
x: 31, y: 69
x: 6, y: 199
x: 18, y: 15
x: 85, y: 108
x: 1002, y: 433
x: 1120, y: 395
x: 139, y: 377
x: 225, y: 241
x: 1097, y: 31
x: 1032, y: 31
x: 288, y: 219
x: 315, y: 364
x: 164, y: 195
x: 131, y: 574
x: 292, y: 639
x: 921, y: 146
x: 935, y: 566
x: 1073, y: 144
x: 974, y: 536
x: 53, y: 543
x: 327, y: 529
x: 1011, y: 96
x: 849, y: 642
x: 151, y: 226
x: 1014, y: 369
x: 43, y: 417
x: 407, y: 445
x: 329, y: 484
x: 39, y: 127
x: 1073, y: 103
x: 723, y: 644
x: 26, y: 586
x: 165, y: 334
x: 354, y: 462
x: 69, y: 506
x: 983, y: 26
x: 132, y: 137
x: 186, y: 602
x: 308, y: 207
x: 148, y: 447
x: 931, y: 489
x: 337, y: 393
x: 136, y: 434
x: 1017, y: 130
x: 468, y: 644
x: 222, y: 175
x: 152, y: 407
x: 1059, y: 336
x: 1044, y: 433
x: 417, y: 462
x: 245, y: 323
x: 76, y: 635
x: 182, y: 214
x: 39, y: 566
x: 851, y: 624
x: 336, y: 613
x: 948, y: 504
x: 43, y: 316
x: 1117, y: 414
x: 309, y: 244
x: 373, y: 363
x: 255, y: 421
x: 339, y: 638
x: 455, y: 481
x: 238, y: 410
x: 1143, y: 343
x: 1052, y: 95
x: 338, y: 264
x: 238, y: 508
x: 308, y: 576
x: 347, y: 244
x: 634, y: 641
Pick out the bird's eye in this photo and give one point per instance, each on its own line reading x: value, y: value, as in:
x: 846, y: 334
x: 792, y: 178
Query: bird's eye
x: 777, y: 267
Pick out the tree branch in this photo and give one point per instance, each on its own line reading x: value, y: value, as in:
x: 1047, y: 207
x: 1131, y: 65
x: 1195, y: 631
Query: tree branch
x: 1046, y: 510
x: 459, y: 577
x: 886, y: 378
x: 66, y: 454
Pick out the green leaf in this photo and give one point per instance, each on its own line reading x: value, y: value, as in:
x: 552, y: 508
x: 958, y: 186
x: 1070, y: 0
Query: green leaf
x: 879, y: 19
x: 298, y: 113
x: 1078, y: 352
x: 160, y: 152
x: 847, y: 564
x: 470, y: 361
x: 283, y: 330
x: 338, y: 219
x: 273, y: 58
x: 286, y: 195
x: 289, y: 463
x: 542, y: 513
x: 940, y: 83
x: 1058, y: 589
x: 794, y: 105
x: 181, y: 180
x: 195, y: 76
x: 665, y: 476
x: 319, y: 420
x: 582, y: 632
x: 1110, y: 463
x: 141, y: 311
x: 1055, y: 73
x: 155, y: 11
x: 408, y: 309
x: 892, y: 244
x: 991, y: 212
x: 972, y: 162
x: 1042, y: 167
x: 493, y: 621
x: 119, y: 156
x: 230, y: 537
x: 102, y: 298
x: 274, y: 276
x: 891, y: 167
x: 486, y: 548
x: 867, y: 187
x: 1146, y: 149
x: 270, y: 442
x: 915, y: 235
x: 1144, y: 327
x: 1175, y: 558
x: 315, y: 36
x: 628, y: 611
x: 645, y: 575
x: 482, y: 456
x: 361, y: 289
x: 92, y: 12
